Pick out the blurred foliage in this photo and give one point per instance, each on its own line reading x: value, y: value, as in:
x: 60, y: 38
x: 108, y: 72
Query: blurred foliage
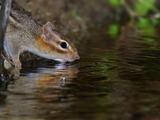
x: 146, y: 26
x: 74, y: 14
x: 142, y: 14
x: 113, y: 30
x: 115, y: 3
x: 142, y: 7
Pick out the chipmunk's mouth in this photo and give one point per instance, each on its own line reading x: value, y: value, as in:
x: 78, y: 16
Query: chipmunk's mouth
x: 68, y: 60
x: 61, y: 60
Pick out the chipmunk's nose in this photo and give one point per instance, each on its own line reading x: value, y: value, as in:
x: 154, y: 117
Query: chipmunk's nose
x: 75, y: 57
x: 78, y: 57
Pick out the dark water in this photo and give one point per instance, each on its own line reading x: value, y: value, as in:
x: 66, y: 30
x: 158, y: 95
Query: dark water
x: 115, y: 79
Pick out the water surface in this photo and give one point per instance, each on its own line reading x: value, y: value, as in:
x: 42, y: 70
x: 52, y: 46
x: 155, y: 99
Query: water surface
x: 114, y: 79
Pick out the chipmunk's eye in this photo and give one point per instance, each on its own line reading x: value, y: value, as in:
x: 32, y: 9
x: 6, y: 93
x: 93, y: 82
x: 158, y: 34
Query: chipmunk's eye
x: 63, y: 45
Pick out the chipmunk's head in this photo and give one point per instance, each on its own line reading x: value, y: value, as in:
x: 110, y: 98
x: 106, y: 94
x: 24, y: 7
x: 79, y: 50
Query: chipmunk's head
x: 58, y: 47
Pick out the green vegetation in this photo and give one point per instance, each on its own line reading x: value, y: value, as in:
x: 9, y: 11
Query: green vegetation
x: 142, y: 7
x: 115, y: 3
x: 144, y: 15
x: 113, y: 30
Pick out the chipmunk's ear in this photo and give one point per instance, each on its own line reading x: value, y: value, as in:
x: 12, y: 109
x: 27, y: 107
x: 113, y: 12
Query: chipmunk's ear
x: 47, y: 29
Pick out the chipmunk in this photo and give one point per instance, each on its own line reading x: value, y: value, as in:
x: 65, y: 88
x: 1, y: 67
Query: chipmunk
x: 25, y: 34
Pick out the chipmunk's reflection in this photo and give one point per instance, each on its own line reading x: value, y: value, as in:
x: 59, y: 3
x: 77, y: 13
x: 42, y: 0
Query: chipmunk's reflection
x: 58, y: 75
x: 36, y: 87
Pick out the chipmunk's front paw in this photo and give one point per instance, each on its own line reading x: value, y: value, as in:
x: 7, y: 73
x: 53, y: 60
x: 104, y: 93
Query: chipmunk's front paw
x: 16, y: 73
x: 18, y: 65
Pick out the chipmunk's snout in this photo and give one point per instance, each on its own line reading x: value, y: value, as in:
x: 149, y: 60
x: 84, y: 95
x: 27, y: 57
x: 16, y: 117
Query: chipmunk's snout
x: 75, y: 57
x: 78, y: 57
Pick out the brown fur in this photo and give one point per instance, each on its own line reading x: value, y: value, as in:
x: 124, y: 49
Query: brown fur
x: 25, y: 34
x: 46, y: 47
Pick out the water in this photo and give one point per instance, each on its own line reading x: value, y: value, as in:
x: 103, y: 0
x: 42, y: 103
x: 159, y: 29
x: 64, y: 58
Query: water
x: 114, y: 80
